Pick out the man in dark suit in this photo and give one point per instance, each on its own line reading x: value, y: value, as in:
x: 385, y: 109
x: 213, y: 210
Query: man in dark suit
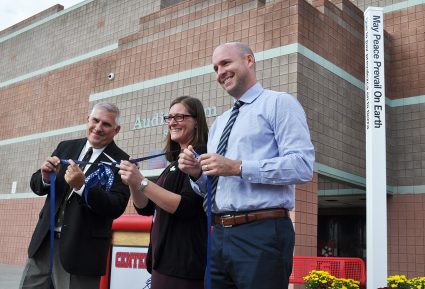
x: 83, y: 219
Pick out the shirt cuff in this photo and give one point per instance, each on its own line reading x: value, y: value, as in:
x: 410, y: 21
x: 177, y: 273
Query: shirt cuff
x: 80, y: 191
x: 45, y: 184
x: 199, y: 186
x: 251, y: 171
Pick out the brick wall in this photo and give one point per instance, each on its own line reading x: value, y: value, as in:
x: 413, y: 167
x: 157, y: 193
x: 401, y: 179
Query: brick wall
x: 406, y: 227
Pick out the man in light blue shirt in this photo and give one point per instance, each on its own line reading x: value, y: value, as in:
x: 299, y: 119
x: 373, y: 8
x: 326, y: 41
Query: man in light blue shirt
x: 269, y: 151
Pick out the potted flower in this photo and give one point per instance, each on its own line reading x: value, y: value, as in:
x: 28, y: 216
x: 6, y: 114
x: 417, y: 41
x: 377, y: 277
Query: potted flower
x: 401, y: 282
x: 317, y: 279
x: 398, y: 281
x: 323, y: 280
x: 341, y: 283
x: 418, y: 282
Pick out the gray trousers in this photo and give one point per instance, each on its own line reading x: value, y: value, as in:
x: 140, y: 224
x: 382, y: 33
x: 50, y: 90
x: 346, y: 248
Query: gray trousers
x: 36, y: 272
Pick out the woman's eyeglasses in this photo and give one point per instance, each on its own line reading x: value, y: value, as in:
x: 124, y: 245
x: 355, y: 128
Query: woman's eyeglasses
x: 176, y: 117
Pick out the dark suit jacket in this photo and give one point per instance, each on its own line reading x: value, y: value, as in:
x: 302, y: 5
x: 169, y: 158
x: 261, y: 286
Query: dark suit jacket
x: 86, y: 231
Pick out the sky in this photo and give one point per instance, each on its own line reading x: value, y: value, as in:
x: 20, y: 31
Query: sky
x: 14, y: 11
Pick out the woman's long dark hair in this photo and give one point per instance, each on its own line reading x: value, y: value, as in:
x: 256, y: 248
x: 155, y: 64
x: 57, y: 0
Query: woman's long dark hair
x: 200, y: 137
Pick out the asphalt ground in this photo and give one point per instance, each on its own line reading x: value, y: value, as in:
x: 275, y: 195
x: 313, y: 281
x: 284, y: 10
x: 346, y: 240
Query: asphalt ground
x: 10, y: 276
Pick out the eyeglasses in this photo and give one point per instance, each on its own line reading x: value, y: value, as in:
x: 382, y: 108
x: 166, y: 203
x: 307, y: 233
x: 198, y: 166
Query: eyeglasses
x: 177, y: 117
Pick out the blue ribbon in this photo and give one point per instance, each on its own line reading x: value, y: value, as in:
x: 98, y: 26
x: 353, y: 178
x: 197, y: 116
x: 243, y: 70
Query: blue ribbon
x: 52, y: 223
x: 133, y: 161
x: 209, y: 243
x: 209, y: 221
x: 103, y: 176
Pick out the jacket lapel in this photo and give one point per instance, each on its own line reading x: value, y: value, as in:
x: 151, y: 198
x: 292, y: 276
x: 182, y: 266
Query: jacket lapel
x: 77, y: 148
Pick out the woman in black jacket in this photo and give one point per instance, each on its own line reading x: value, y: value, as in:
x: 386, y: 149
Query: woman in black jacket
x: 177, y: 250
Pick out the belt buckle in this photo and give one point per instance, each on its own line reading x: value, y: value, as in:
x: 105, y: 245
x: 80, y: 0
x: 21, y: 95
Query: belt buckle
x: 222, y: 221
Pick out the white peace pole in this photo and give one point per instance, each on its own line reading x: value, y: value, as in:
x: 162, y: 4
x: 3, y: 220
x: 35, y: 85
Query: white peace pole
x: 376, y: 180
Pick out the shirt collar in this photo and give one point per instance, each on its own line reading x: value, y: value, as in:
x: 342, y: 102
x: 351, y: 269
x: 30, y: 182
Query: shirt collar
x: 251, y: 94
x: 95, y: 151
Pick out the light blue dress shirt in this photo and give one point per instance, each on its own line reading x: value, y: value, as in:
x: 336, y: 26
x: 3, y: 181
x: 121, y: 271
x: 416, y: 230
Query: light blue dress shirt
x: 272, y: 139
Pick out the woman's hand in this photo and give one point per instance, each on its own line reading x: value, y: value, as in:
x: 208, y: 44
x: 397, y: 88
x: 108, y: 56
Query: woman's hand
x: 189, y: 163
x: 130, y: 174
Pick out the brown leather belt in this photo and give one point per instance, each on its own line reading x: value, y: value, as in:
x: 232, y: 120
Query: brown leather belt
x: 231, y: 220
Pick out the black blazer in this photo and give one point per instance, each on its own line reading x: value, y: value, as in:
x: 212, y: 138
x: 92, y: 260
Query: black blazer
x: 182, y: 242
x: 86, y: 232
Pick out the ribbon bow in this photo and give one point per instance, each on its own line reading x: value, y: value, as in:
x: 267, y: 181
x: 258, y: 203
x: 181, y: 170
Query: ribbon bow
x: 103, y: 176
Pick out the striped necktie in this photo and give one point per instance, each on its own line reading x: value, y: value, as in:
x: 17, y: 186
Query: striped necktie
x: 221, y: 148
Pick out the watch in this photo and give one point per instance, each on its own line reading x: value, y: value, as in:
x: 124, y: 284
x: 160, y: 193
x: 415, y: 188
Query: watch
x: 143, y: 184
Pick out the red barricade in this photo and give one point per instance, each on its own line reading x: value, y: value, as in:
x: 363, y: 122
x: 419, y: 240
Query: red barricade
x: 340, y: 267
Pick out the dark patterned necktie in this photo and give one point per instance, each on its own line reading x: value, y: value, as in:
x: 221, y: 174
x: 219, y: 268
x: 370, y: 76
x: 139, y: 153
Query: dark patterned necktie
x: 61, y: 212
x: 221, y: 148
x: 86, y: 158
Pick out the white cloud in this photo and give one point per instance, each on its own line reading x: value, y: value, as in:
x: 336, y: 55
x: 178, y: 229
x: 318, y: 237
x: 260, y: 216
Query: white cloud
x: 14, y: 11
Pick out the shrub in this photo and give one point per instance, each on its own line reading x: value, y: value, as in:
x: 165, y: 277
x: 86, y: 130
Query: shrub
x: 418, y: 282
x: 323, y: 280
x: 341, y: 283
x: 318, y: 280
x: 398, y: 281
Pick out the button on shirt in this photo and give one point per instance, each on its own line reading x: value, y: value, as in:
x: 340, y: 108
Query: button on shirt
x: 272, y: 139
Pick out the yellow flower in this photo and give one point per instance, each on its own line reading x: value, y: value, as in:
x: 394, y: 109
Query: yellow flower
x: 401, y: 282
x: 323, y: 280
